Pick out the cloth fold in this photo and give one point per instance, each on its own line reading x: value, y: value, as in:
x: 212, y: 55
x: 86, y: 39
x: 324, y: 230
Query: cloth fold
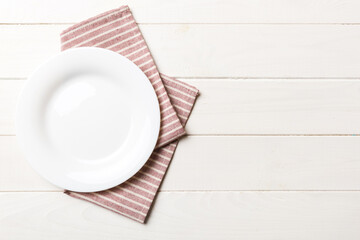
x: 117, y: 30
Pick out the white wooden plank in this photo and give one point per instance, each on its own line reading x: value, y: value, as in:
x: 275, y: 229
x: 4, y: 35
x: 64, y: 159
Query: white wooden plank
x: 15, y: 171
x: 282, y: 106
x: 225, y: 215
x: 265, y: 163
x: 229, y: 106
x: 9, y: 92
x: 202, y: 50
x: 229, y: 163
x: 185, y: 11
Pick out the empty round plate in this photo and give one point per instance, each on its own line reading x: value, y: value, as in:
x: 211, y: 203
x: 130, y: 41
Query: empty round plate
x: 87, y: 119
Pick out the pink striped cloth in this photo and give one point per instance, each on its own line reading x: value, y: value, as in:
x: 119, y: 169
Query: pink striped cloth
x: 116, y: 30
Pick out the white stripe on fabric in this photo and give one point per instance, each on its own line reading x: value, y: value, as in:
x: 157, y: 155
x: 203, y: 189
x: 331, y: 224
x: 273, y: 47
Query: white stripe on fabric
x: 183, y: 109
x: 96, y: 20
x: 169, y: 124
x: 120, y: 51
x: 141, y: 188
x: 105, y: 206
x: 102, y: 34
x: 172, y: 131
x: 95, y: 29
x: 179, y: 91
x: 134, y: 193
x: 141, y: 57
x: 179, y: 83
x: 113, y: 37
x: 179, y: 99
x: 167, y: 150
x: 126, y: 198
x: 148, y: 70
x: 168, y: 116
x: 162, y: 156
x: 122, y: 41
x: 157, y: 162
x: 149, y: 175
x: 161, y: 95
x: 166, y: 109
x: 147, y: 62
x: 159, y: 88
x: 157, y: 81
x: 146, y: 182
x: 182, y: 116
x: 136, y: 51
x: 165, y: 101
x: 156, y: 170
x: 119, y: 204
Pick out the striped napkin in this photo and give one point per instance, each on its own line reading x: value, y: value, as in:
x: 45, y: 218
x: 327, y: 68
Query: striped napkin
x: 117, y: 30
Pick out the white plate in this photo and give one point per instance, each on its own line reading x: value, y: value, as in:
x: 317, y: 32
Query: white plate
x: 87, y: 119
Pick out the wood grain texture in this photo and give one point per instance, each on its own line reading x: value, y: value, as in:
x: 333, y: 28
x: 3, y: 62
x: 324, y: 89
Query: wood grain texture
x: 9, y: 93
x: 263, y: 68
x: 203, y: 50
x: 256, y: 106
x: 205, y: 215
x: 282, y: 106
x: 185, y: 11
x: 229, y: 163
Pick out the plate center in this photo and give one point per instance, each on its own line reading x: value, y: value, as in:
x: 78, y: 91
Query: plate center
x: 88, y: 116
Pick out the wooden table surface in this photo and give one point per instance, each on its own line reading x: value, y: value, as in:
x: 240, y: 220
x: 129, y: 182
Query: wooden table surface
x: 272, y: 151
